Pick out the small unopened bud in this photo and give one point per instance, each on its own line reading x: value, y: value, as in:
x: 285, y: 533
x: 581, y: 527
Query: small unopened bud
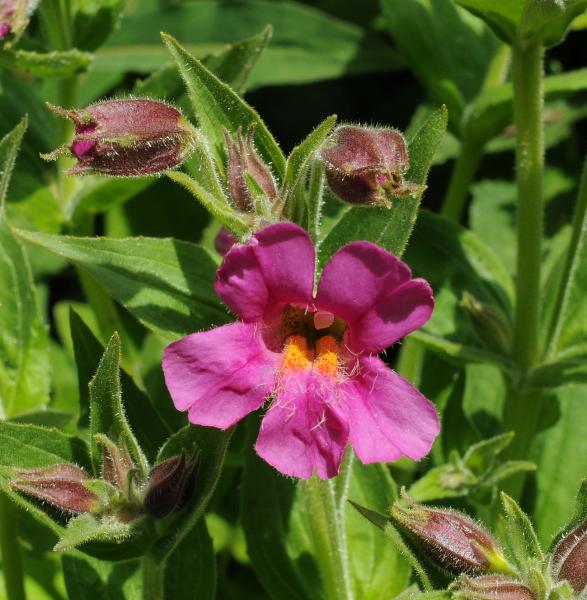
x: 224, y: 241
x: 60, y: 485
x: 168, y: 484
x: 364, y: 165
x: 126, y: 138
x: 450, y: 539
x: 489, y: 322
x: 570, y: 558
x: 117, y: 464
x: 490, y: 587
x: 247, y: 171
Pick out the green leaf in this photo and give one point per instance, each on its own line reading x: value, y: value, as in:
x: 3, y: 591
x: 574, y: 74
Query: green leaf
x: 148, y: 427
x: 522, y: 538
x: 107, y: 415
x: 25, y: 369
x: 89, y: 579
x: 93, y: 22
x: 218, y: 107
x: 565, y: 443
x: 52, y: 65
x: 569, y: 318
x: 377, y: 568
x: 391, y: 227
x: 527, y: 21
x: 190, y: 571
x: 480, y: 457
x: 165, y: 283
x: 267, y: 500
x: 307, y: 45
x: 88, y: 528
x: 455, y: 260
x: 454, y: 76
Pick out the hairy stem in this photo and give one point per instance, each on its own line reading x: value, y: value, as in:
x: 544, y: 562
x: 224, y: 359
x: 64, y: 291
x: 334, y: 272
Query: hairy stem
x: 152, y: 573
x: 328, y: 537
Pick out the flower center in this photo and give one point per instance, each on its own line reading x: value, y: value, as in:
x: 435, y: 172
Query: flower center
x: 311, y: 340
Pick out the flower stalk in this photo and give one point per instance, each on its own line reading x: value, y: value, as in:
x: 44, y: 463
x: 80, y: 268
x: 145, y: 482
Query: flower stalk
x: 522, y: 407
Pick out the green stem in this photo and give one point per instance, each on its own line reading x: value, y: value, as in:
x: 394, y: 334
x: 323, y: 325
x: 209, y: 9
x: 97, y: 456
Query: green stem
x: 523, y: 407
x: 152, y: 573
x: 528, y: 109
x: 460, y: 181
x: 328, y: 536
x: 571, y: 265
x: 10, y: 548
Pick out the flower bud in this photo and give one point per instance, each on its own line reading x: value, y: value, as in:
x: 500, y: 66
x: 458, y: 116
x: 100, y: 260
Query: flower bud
x: 224, y: 241
x: 570, y: 558
x: 168, y: 483
x: 117, y: 464
x: 246, y: 170
x: 489, y: 322
x: 491, y: 587
x: 126, y: 138
x: 60, y: 485
x: 365, y: 164
x: 450, y: 539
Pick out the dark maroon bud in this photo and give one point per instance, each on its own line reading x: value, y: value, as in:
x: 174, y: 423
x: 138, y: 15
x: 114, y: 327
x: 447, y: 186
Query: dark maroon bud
x: 365, y: 165
x: 570, y: 558
x: 168, y: 483
x: 60, y: 485
x: 117, y: 464
x: 244, y: 161
x: 490, y: 587
x: 126, y: 138
x: 450, y: 539
x: 224, y: 241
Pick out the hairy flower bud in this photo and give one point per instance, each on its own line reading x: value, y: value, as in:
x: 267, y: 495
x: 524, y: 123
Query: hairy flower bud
x: 117, y: 464
x: 490, y: 587
x: 15, y: 15
x: 168, y: 483
x: 450, y: 539
x: 126, y: 138
x: 364, y: 165
x: 570, y: 558
x: 246, y: 170
x: 60, y: 485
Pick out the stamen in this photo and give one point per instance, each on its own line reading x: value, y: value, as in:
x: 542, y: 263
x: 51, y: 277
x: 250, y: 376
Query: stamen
x: 327, y: 356
x: 296, y: 354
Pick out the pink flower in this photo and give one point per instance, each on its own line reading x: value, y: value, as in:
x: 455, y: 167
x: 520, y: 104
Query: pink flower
x: 313, y: 354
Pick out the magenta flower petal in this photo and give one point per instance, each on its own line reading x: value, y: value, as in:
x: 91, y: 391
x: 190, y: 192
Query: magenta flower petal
x: 274, y: 268
x: 371, y: 289
x: 303, y: 431
x: 220, y: 375
x: 394, y: 315
x: 388, y: 417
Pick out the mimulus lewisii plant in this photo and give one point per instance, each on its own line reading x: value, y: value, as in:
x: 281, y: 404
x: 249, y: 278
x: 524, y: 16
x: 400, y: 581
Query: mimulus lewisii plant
x: 313, y: 353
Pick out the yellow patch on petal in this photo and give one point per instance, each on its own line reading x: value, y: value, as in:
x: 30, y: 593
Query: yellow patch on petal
x: 327, y: 356
x: 296, y: 354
